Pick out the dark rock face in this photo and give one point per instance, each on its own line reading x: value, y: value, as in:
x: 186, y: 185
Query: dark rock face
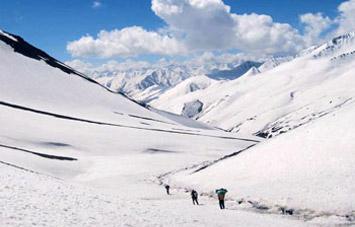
x: 22, y: 47
x: 192, y: 109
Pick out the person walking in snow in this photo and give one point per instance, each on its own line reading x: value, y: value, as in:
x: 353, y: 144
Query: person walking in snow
x: 167, y: 187
x: 194, y: 196
x: 221, y: 194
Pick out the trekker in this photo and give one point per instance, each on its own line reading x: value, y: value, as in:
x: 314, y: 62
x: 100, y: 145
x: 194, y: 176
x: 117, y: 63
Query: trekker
x: 194, y: 196
x: 167, y: 187
x: 221, y: 194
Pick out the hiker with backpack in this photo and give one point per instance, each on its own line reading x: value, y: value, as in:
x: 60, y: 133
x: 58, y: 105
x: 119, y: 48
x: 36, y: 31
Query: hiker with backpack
x: 221, y: 194
x: 167, y: 188
x: 194, y: 196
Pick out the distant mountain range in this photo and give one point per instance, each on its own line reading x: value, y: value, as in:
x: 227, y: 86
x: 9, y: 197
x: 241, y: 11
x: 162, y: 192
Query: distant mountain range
x: 250, y: 97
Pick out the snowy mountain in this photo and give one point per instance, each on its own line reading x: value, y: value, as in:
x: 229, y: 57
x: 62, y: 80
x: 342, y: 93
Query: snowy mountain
x: 75, y: 153
x: 71, y: 150
x: 145, y: 83
x: 279, y: 99
x: 307, y: 172
x: 273, y: 62
x: 339, y: 46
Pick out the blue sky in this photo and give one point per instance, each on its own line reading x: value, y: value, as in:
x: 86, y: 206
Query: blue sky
x: 51, y: 24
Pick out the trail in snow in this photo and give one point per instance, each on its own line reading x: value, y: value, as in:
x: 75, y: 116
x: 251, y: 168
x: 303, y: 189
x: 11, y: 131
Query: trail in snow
x: 255, y: 205
x: 19, y: 167
x: 30, y: 199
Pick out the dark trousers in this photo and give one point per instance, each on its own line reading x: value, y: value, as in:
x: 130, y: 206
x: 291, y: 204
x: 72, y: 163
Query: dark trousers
x: 195, y: 201
x: 221, y: 204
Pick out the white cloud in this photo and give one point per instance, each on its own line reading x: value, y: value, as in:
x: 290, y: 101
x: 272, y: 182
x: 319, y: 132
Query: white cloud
x: 346, y: 19
x: 256, y: 33
x: 126, y: 42
x: 315, y: 25
x: 96, y: 4
x: 203, y: 24
x: 196, y: 26
x: 209, y: 25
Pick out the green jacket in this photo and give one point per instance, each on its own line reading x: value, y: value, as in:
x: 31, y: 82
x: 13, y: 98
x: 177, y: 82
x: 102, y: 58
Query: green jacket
x: 221, y: 193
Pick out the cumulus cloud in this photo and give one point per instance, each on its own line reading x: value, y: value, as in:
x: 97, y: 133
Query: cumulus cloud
x: 197, y: 26
x: 204, y: 24
x: 315, y: 25
x: 346, y: 19
x: 128, y: 41
x: 209, y: 25
x: 260, y: 34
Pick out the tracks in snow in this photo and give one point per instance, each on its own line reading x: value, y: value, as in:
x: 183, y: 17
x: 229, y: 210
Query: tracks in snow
x: 199, y: 166
x: 18, y: 167
x: 26, y: 170
x: 255, y: 205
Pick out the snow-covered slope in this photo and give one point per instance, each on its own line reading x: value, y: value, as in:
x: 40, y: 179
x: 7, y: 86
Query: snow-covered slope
x: 273, y: 62
x: 310, y: 170
x: 38, y: 82
x: 317, y: 82
x: 59, y: 126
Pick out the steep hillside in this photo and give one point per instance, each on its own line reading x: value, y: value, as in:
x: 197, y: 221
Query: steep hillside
x: 317, y: 82
x: 50, y: 111
x: 309, y: 171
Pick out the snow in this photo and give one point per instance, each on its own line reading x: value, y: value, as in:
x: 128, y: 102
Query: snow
x: 33, y: 84
x: 251, y: 104
x: 72, y: 153
x: 252, y: 72
x: 308, y: 169
x: 118, y: 148
x: 143, y: 84
x: 30, y: 199
x: 273, y: 62
x: 147, y: 83
x: 117, y: 168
